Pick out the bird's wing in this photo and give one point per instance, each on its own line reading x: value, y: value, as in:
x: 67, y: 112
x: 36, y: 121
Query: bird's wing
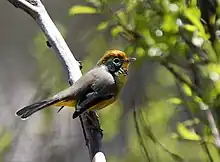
x: 102, y: 94
x: 97, y: 80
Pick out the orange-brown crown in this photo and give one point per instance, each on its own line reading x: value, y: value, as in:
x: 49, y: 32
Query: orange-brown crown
x: 113, y: 53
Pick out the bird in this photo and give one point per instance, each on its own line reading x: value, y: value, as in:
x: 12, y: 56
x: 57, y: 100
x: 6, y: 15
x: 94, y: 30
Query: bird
x: 95, y: 90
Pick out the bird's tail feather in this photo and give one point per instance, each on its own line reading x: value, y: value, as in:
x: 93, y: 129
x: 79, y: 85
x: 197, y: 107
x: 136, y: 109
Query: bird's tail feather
x: 27, y: 111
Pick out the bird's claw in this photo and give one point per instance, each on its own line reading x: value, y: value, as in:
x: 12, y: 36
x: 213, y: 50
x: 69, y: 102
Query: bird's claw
x: 60, y: 109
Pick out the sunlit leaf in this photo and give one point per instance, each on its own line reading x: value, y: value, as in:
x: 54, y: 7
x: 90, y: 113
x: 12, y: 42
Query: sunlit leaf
x: 190, y: 28
x: 103, y: 25
x: 169, y: 24
x: 194, y: 15
x: 187, y: 89
x: 186, y: 133
x: 193, y: 3
x: 122, y: 16
x: 74, y: 10
x: 116, y: 30
x: 175, y: 100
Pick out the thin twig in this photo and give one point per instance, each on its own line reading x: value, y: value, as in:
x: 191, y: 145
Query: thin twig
x: 185, y: 102
x: 141, y: 141
x: 205, y: 147
x: 213, y: 127
x: 180, y: 78
x: 197, y: 81
x: 156, y: 141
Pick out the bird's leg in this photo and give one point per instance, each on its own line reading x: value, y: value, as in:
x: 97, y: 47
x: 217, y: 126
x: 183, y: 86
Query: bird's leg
x: 60, y: 109
x: 85, y: 103
x: 90, y: 100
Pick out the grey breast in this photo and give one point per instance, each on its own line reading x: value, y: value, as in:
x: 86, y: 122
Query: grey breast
x: 104, y: 83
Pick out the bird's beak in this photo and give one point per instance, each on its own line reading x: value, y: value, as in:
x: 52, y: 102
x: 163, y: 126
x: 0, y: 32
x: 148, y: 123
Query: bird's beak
x: 131, y: 59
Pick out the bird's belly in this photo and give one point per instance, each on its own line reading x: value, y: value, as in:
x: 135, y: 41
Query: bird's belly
x: 98, y: 106
x: 102, y: 104
x: 70, y: 103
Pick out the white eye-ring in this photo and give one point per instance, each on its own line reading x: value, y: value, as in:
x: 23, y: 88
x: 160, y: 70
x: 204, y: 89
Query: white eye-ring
x: 117, y: 61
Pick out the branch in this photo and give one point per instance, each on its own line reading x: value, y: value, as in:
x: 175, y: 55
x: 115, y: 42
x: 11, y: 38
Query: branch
x: 203, y: 106
x: 141, y: 140
x: 38, y: 12
x: 181, y: 78
x: 203, y: 143
x: 213, y: 127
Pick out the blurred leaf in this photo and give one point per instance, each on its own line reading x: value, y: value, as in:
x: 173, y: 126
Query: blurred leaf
x: 190, y: 28
x: 96, y: 3
x: 216, y: 47
x: 175, y: 100
x: 187, y: 134
x: 207, y: 46
x: 194, y: 15
x: 191, y: 122
x: 129, y: 49
x: 116, y: 30
x: 103, y: 25
x: 122, y: 17
x: 5, y: 141
x: 77, y: 9
x: 193, y: 3
x: 169, y: 23
x: 140, y: 52
x: 187, y: 89
x: 111, y: 127
x: 131, y: 4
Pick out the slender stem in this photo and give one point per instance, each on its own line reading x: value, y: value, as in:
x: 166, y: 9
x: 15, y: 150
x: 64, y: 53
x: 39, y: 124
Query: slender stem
x: 141, y: 141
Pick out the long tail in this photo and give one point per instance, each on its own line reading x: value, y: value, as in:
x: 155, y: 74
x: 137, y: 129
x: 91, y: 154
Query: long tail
x: 27, y: 111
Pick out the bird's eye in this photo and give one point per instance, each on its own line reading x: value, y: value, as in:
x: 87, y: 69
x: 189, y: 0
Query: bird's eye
x: 117, y: 61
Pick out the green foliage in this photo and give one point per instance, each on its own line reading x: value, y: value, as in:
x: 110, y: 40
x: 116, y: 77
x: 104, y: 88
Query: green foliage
x: 110, y: 126
x: 172, y: 34
x: 5, y: 140
x: 75, y: 10
x: 186, y: 133
x: 179, y: 89
x: 103, y: 25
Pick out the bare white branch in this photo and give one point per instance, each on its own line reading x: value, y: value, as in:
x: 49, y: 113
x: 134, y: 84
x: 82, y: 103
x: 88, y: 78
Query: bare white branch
x: 99, y: 156
x: 37, y: 11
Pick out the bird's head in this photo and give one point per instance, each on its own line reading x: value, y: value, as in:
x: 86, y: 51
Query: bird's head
x: 116, y: 61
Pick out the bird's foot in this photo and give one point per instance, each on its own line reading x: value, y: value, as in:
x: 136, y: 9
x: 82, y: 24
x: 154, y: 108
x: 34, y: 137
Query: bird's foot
x: 60, y: 109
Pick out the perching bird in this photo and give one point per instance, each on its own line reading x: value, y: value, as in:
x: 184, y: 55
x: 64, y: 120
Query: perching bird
x: 95, y: 90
